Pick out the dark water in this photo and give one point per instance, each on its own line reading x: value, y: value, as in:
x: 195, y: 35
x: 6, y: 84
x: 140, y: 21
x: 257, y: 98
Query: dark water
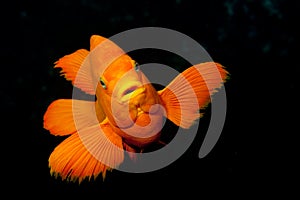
x: 255, y: 40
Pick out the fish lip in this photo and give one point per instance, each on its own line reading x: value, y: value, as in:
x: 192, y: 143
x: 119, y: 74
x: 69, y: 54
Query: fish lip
x: 130, y: 92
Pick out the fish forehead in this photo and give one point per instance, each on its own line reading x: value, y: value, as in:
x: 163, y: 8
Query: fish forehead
x: 118, y: 68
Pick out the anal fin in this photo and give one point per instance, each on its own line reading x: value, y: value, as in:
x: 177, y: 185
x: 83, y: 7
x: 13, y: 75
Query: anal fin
x: 87, y: 154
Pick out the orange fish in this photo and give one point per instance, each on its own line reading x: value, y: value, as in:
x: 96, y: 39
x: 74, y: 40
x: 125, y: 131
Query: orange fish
x: 129, y: 111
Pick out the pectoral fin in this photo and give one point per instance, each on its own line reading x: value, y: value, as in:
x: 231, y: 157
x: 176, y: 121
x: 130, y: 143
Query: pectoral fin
x: 59, y: 116
x: 200, y: 82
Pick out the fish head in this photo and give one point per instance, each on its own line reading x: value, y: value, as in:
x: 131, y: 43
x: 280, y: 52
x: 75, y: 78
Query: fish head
x: 130, y: 102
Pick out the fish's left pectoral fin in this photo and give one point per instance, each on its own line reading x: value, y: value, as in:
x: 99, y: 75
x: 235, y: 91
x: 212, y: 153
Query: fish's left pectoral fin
x: 86, y: 154
x: 66, y: 116
x: 191, y: 91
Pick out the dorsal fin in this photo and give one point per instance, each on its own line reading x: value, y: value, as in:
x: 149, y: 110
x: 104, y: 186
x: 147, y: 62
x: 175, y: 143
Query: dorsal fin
x: 96, y: 40
x: 73, y: 70
x: 83, y: 67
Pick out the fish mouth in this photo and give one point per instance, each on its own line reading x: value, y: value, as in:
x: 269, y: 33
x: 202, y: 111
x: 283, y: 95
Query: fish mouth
x: 131, y: 91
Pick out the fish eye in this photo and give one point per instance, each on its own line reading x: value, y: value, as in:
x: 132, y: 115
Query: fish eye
x: 136, y: 66
x: 102, y: 83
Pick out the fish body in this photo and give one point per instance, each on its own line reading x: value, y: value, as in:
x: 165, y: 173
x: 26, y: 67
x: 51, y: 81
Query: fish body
x: 128, y: 111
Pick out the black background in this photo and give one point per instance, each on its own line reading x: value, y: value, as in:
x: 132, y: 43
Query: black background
x: 255, y: 40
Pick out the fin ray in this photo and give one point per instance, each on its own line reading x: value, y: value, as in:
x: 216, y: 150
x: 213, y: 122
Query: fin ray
x: 95, y: 40
x: 203, y: 80
x: 59, y: 116
x: 83, y: 155
x: 75, y: 70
